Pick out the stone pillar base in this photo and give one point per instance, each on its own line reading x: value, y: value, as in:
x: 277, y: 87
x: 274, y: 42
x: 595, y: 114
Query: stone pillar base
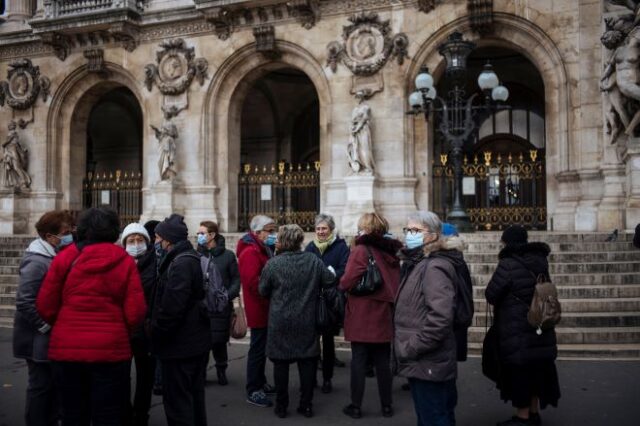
x: 632, y: 203
x: 14, y: 212
x: 200, y: 206
x: 160, y: 200
x: 360, y: 196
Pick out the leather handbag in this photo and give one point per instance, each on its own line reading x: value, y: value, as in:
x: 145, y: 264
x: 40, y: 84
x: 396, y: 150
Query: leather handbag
x: 238, y: 328
x: 324, y: 319
x: 371, y: 281
x: 491, y: 351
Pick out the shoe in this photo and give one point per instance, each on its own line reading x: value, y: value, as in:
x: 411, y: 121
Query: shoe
x: 305, y: 411
x: 338, y: 363
x: 406, y: 387
x: 157, y: 389
x: 514, y: 421
x: 259, y: 399
x: 280, y: 411
x: 222, y: 377
x: 268, y: 389
x: 535, y: 419
x: 387, y: 411
x: 326, y: 386
x: 352, y: 411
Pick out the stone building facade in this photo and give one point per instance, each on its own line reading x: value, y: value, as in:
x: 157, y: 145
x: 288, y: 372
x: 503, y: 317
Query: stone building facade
x: 187, y: 96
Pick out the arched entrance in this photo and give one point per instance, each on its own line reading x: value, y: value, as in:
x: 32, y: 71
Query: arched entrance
x: 505, y: 158
x: 279, y: 153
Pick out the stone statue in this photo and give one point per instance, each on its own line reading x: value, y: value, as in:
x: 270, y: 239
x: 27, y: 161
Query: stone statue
x: 167, y: 136
x: 14, y: 159
x: 360, y: 149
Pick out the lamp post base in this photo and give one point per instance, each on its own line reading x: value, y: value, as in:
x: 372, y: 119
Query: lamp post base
x: 460, y: 219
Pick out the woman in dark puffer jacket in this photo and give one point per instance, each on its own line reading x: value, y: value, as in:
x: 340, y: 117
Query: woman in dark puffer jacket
x: 528, y: 373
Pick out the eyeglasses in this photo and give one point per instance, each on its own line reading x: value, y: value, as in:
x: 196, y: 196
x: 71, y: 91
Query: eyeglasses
x: 414, y: 231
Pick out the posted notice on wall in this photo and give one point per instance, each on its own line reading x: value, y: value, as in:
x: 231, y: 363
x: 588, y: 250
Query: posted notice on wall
x: 265, y: 192
x: 105, y: 197
x: 468, y: 185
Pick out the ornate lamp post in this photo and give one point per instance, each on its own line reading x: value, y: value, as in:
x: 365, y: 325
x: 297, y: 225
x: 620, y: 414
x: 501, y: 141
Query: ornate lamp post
x: 457, y: 113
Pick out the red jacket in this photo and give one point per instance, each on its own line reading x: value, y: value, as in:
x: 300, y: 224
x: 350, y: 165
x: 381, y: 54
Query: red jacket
x: 252, y: 256
x: 369, y: 319
x: 94, y: 309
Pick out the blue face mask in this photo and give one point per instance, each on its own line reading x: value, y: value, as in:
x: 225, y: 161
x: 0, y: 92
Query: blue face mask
x: 159, y: 250
x: 271, y: 240
x: 413, y: 241
x: 65, y: 240
x: 202, y: 239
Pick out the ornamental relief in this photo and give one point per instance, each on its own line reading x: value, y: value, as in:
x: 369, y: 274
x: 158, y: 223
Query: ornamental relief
x: 23, y: 85
x: 175, y: 68
x: 367, y: 45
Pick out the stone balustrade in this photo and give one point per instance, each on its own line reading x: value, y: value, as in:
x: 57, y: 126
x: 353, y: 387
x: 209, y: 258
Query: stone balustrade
x: 63, y: 8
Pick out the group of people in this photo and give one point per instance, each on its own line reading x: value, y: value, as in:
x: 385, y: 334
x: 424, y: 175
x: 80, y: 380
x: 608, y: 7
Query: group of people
x: 87, y: 307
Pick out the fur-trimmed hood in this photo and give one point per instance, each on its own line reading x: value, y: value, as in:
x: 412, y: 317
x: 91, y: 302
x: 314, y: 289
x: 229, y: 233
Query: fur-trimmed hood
x: 388, y: 245
x: 538, y: 248
x: 454, y: 242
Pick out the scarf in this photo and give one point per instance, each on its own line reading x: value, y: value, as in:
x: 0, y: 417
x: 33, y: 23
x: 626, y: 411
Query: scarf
x: 410, y: 258
x: 323, y: 245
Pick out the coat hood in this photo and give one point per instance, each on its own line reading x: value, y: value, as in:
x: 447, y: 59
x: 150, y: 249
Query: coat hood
x: 248, y: 240
x: 41, y: 247
x: 454, y: 256
x: 533, y: 255
x: 100, y: 257
x: 387, y: 245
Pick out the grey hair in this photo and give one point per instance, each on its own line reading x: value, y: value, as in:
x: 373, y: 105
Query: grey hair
x: 427, y: 219
x: 325, y: 218
x: 259, y: 222
x: 290, y: 238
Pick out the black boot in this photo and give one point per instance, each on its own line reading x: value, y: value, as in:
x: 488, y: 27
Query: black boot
x: 222, y: 377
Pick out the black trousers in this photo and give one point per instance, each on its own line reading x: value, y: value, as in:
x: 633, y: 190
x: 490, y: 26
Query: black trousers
x: 183, y: 390
x: 257, y: 360
x: 220, y: 355
x: 328, y: 355
x: 306, y: 371
x: 145, y: 376
x: 41, y: 407
x: 92, y: 393
x: 379, y: 354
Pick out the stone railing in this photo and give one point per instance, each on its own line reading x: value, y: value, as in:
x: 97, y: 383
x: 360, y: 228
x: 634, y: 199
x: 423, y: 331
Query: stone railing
x: 63, y: 8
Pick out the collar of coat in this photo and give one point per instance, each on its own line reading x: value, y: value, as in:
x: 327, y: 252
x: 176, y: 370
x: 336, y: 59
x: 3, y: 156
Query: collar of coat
x: 522, y: 249
x: 389, y: 245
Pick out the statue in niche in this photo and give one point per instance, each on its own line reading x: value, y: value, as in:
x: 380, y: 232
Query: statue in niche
x: 14, y: 159
x: 360, y: 149
x: 167, y: 136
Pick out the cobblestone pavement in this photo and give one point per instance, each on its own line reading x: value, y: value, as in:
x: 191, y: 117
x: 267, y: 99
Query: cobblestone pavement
x: 594, y: 393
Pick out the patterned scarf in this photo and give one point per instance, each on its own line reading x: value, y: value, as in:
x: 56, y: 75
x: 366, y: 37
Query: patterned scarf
x: 323, y: 245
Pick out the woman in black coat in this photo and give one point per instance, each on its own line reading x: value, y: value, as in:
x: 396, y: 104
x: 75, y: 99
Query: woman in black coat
x: 528, y: 373
x: 212, y: 244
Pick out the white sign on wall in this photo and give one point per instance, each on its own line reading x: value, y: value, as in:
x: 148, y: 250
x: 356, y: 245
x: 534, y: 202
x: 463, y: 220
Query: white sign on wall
x: 105, y: 197
x: 468, y: 185
x: 265, y: 192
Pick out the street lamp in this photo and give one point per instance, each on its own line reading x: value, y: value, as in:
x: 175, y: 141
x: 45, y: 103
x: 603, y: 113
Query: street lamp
x: 457, y: 113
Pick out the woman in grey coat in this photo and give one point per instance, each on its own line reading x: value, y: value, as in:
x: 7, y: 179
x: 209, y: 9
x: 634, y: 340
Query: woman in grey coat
x: 30, y: 331
x: 292, y: 281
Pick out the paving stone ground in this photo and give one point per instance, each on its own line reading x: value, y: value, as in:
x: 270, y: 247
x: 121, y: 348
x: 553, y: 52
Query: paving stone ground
x: 594, y: 393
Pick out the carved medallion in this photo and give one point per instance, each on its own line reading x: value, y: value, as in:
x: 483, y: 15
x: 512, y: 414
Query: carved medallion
x: 23, y: 85
x: 175, y: 68
x: 367, y: 45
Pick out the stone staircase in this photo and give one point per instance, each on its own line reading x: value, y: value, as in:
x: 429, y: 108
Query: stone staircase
x: 598, y: 282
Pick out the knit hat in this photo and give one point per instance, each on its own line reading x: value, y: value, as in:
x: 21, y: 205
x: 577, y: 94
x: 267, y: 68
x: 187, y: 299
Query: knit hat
x: 134, y: 228
x: 515, y: 235
x: 172, y: 229
x: 449, y: 230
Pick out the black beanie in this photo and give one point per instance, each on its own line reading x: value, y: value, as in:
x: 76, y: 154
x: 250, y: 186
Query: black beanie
x: 515, y: 235
x: 172, y: 229
x: 150, y: 226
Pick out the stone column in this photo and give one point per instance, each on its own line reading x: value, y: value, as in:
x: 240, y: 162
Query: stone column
x: 632, y: 205
x: 39, y: 9
x: 18, y: 10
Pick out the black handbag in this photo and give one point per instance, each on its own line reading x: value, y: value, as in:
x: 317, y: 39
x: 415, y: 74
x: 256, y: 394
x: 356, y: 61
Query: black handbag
x: 324, y: 319
x: 491, y: 352
x: 371, y: 281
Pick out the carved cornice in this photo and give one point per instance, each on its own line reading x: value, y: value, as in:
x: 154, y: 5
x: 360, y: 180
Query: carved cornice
x: 95, y: 62
x: 23, y: 85
x: 481, y: 14
x: 305, y: 11
x: 175, y: 68
x: 367, y: 45
x: 266, y: 41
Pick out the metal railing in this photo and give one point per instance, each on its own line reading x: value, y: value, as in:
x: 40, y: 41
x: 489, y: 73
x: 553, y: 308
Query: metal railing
x: 59, y: 8
x: 120, y: 191
x: 288, y: 193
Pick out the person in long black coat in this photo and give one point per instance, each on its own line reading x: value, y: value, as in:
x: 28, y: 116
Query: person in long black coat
x: 529, y: 378
x: 212, y: 244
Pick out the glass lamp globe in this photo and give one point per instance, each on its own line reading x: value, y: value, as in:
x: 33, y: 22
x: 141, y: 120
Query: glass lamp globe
x: 415, y: 99
x: 488, y: 80
x: 424, y: 80
x: 432, y: 93
x: 500, y: 93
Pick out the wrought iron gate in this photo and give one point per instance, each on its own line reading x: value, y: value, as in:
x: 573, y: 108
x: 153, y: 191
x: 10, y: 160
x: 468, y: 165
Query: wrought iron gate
x: 499, y: 190
x: 288, y: 193
x: 121, y: 192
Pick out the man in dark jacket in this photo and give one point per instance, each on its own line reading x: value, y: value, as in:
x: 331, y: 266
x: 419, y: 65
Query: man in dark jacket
x: 180, y: 333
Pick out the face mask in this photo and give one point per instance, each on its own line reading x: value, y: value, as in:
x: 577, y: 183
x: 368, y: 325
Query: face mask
x: 136, y: 250
x: 202, y: 239
x: 159, y: 250
x: 271, y: 240
x: 413, y: 241
x: 65, y: 240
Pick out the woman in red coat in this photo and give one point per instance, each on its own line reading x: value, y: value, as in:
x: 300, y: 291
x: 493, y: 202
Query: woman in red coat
x: 368, y: 322
x: 93, y: 298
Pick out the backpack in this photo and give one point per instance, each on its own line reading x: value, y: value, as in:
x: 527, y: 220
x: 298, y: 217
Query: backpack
x: 464, y: 300
x: 545, y: 311
x: 216, y: 297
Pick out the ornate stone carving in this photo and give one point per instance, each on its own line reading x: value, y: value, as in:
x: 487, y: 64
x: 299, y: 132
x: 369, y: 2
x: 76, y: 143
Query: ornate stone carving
x: 427, y: 6
x: 175, y: 68
x: 60, y: 43
x: 95, y: 61
x: 15, y: 161
x: 305, y: 11
x: 23, y: 85
x: 166, y: 136
x: 621, y: 74
x: 367, y: 45
x: 481, y: 13
x: 360, y: 148
x: 266, y: 41
x: 222, y: 19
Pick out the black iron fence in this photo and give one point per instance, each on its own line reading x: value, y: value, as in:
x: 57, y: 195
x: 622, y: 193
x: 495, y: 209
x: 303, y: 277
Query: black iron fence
x: 120, y: 191
x: 498, y: 189
x: 286, y: 192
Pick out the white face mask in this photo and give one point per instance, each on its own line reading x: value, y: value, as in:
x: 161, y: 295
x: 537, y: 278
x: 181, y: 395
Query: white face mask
x: 136, y: 250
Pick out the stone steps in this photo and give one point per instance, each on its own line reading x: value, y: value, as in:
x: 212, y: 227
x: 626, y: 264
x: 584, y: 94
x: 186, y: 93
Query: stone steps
x: 568, y: 257
x: 615, y: 304
x: 568, y: 268
x: 591, y: 336
x: 583, y: 292
x: 495, y: 247
x: 603, y: 352
x: 619, y: 278
x: 583, y: 319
